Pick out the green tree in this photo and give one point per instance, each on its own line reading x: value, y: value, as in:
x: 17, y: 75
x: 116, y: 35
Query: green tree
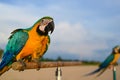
x: 1, y: 52
x: 59, y: 59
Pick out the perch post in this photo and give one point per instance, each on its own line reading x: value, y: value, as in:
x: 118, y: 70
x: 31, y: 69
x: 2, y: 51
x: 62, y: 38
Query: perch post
x: 114, y: 73
x: 58, y: 73
x: 33, y: 65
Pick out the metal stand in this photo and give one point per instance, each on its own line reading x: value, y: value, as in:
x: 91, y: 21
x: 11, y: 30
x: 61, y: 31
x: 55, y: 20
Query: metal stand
x: 114, y: 73
x: 58, y: 73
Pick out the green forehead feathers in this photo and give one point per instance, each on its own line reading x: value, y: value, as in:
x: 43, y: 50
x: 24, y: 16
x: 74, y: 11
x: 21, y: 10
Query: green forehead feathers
x: 47, y: 17
x: 117, y: 46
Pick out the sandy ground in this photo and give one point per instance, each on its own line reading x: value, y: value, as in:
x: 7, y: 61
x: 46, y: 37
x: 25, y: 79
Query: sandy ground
x: 68, y: 73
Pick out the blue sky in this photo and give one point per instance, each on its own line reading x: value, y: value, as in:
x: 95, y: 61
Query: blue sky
x: 85, y: 29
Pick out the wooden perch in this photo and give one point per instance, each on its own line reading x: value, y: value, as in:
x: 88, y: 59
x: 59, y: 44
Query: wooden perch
x: 33, y: 65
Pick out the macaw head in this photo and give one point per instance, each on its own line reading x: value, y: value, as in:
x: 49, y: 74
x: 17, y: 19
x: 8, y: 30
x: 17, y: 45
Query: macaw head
x: 45, y: 25
x: 116, y: 49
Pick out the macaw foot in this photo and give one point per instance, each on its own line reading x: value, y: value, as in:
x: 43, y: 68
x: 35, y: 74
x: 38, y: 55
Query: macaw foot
x: 23, y: 65
x: 116, y: 64
x: 111, y: 67
x: 37, y: 61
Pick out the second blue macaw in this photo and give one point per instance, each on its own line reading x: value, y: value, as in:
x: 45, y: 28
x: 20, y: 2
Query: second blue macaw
x: 111, y: 60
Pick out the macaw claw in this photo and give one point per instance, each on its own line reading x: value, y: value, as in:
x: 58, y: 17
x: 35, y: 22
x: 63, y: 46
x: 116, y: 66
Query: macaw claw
x: 38, y: 63
x: 23, y: 65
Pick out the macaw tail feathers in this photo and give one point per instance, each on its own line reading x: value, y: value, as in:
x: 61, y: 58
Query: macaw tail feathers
x: 6, y: 68
x: 96, y: 71
x: 101, y: 72
x: 2, y: 64
x: 5, y: 64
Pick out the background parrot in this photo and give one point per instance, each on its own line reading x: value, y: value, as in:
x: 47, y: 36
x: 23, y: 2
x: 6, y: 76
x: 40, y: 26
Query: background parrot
x: 111, y: 60
x: 31, y: 42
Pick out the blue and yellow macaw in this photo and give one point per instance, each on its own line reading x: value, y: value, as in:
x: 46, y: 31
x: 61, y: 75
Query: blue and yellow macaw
x: 111, y: 60
x: 33, y: 42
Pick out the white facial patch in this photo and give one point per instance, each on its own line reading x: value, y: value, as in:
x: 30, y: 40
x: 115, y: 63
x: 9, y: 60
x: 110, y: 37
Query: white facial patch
x: 42, y: 28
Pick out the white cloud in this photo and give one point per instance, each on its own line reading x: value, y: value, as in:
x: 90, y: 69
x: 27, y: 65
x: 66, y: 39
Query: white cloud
x: 11, y: 13
x: 66, y: 32
x: 75, y: 39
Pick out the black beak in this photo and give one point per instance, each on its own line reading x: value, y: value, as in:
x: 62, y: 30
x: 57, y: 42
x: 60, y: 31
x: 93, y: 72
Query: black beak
x: 119, y: 50
x: 50, y: 27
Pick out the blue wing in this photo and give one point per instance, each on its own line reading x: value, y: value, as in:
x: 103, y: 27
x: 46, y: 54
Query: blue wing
x: 16, y: 42
x: 107, y: 61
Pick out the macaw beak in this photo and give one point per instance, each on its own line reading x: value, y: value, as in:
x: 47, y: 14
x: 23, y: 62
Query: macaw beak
x: 50, y: 27
x: 119, y: 50
x: 116, y: 49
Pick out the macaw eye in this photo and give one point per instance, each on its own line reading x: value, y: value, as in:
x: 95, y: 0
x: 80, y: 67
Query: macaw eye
x: 44, y: 21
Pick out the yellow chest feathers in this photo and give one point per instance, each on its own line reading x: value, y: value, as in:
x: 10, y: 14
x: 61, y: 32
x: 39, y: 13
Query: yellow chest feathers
x: 116, y: 58
x: 36, y: 44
